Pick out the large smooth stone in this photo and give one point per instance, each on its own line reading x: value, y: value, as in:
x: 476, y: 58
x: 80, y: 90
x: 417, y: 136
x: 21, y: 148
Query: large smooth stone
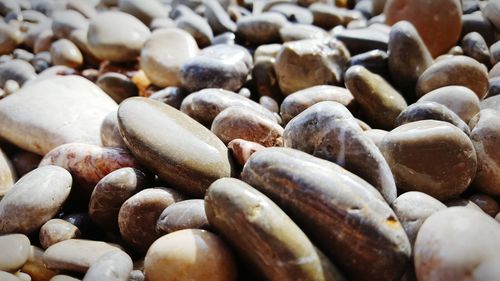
x: 343, y: 214
x: 275, y: 245
x: 177, y: 148
x: 485, y: 136
x: 456, y: 70
x: 145, y: 10
x: 7, y: 174
x: 116, y: 36
x: 76, y: 254
x: 112, y: 266
x: 189, y: 255
x: 34, y: 199
x: 438, y: 22
x: 205, y: 105
x: 54, y: 111
x: 458, y: 244
x: 379, y: 101
x: 430, y: 156
x: 329, y: 131
x: 15, y: 251
x: 164, y: 53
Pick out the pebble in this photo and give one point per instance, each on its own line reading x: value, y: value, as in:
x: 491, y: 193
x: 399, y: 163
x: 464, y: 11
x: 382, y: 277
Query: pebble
x: 450, y: 71
x: 243, y: 149
x: 361, y: 40
x: 376, y: 61
x: 329, y: 131
x: 10, y: 38
x: 217, y: 18
x: 492, y: 12
x: 177, y: 148
x: 438, y: 22
x: 144, y: 10
x: 86, y: 8
x: 35, y: 266
x: 7, y: 174
x: 183, y: 255
x: 260, y: 29
x: 317, y: 194
x: 475, y: 47
x: 495, y: 53
x: 376, y: 135
x: 293, y: 13
x: 16, y: 70
x: 197, y: 26
x: 6, y: 276
x: 326, y: 16
x: 188, y: 214
x: 439, y: 252
x: 487, y: 203
x: 297, y: 58
x: 64, y: 52
x: 276, y: 245
x: 485, y: 130
x: 494, y: 89
x: 62, y: 277
x: 36, y: 197
x: 64, y: 22
x: 108, y: 40
x: 57, y: 230
x: 76, y: 254
x: 459, y: 99
x: 237, y: 122
x: 172, y: 96
x: 220, y: 66
x: 408, y: 57
x: 203, y: 106
x: 15, y: 252
x: 110, y: 131
x: 380, y: 102
x: 73, y: 110
x: 269, y: 103
x: 295, y: 32
x: 112, y: 266
x: 117, y: 86
x: 111, y: 192
x: 430, y: 156
x: 164, y: 53
x: 477, y: 22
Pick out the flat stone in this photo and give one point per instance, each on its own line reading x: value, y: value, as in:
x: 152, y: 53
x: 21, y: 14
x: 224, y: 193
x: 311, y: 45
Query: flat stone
x: 64, y: 52
x: 430, y: 156
x: 144, y: 10
x: 116, y: 36
x: 187, y: 214
x: 164, y: 53
x: 76, y: 254
x: 73, y: 110
x: 36, y: 198
x: 177, y: 148
x: 15, y: 251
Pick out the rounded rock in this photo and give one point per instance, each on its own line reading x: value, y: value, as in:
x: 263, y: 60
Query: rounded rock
x: 64, y: 52
x: 57, y: 230
x: 15, y: 251
x: 260, y: 29
x: 10, y: 38
x: 242, y: 150
x: 188, y: 214
x: 144, y: 10
x: 110, y: 131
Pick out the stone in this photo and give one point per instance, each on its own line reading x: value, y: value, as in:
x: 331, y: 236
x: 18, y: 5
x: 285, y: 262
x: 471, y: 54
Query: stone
x: 164, y: 53
x: 65, y: 21
x: 494, y: 89
x: 376, y: 135
x: 485, y: 131
x: 190, y: 254
x: 112, y: 266
x: 292, y: 12
x: 36, y: 198
x: 446, y: 235
x: 79, y: 38
x: 305, y: 63
x: 413, y: 208
x: 188, y: 214
x: 318, y: 194
x: 487, y: 203
x: 111, y: 192
x: 16, y: 70
x: 459, y: 99
x: 219, y: 66
x: 361, y: 40
x: 450, y: 71
x: 264, y: 77
x: 177, y: 148
x: 35, y: 266
x: 138, y: 215
x: 15, y: 251
x: 110, y: 131
x: 438, y: 22
x: 261, y: 28
x: 327, y: 16
x: 492, y: 12
x: 495, y: 53
x: 57, y: 230
x: 491, y: 103
x: 144, y: 10
x: 376, y: 61
x: 64, y: 52
x: 475, y: 47
x: 276, y: 246
x: 430, y: 156
x: 408, y: 57
x: 329, y: 131
x: 73, y: 110
x: 117, y: 86
x: 269, y: 103
x: 10, y: 38
x: 62, y: 277
x: 44, y: 41
x: 205, y: 105
x: 7, y: 174
x: 217, y: 18
x: 197, y: 26
x: 380, y: 103
x: 6, y: 276
x: 243, y: 149
x: 431, y: 110
x: 299, y: 101
x: 109, y: 40
x: 237, y: 122
x: 477, y: 22
x: 87, y: 9
x: 76, y: 254
x: 172, y: 96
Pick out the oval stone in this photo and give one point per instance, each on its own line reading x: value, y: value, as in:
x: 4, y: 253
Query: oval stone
x: 34, y: 199
x: 64, y: 52
x: 10, y: 38
x: 188, y: 214
x: 430, y: 156
x: 261, y: 28
x: 333, y: 206
x: 242, y: 150
x: 117, y: 86
x: 144, y: 10
x: 57, y: 230
x: 177, y: 148
x: 15, y: 251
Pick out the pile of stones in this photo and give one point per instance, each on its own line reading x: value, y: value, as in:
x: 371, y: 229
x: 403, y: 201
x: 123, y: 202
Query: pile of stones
x: 224, y: 140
